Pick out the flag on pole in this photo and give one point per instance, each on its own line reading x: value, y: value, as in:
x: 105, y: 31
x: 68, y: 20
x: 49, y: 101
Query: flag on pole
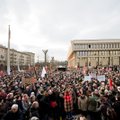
x: 8, y: 51
x: 110, y: 84
x: 43, y: 72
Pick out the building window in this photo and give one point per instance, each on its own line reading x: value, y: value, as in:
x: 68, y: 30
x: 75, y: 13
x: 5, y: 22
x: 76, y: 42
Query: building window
x: 80, y: 46
x: 106, y: 45
x: 102, y: 53
x: 89, y: 46
x: 117, y: 45
x: 118, y: 52
x: 109, y: 46
x: 97, y: 46
x: 76, y: 46
x: 103, y: 46
x: 85, y: 46
x: 80, y: 53
x: 77, y: 54
x: 89, y: 53
x: 113, y: 52
x: 85, y: 53
x: 112, y: 45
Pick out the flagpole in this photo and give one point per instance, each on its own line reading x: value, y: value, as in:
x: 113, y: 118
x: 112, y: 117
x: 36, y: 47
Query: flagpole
x: 18, y: 64
x: 8, y: 52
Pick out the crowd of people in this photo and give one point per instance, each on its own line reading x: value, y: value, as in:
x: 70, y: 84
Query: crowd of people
x: 61, y: 95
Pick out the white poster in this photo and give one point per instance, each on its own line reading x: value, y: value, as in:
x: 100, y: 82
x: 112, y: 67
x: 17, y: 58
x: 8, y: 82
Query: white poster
x: 101, y: 78
x: 87, y: 78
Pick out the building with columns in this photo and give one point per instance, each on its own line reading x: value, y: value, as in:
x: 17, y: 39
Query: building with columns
x: 94, y: 52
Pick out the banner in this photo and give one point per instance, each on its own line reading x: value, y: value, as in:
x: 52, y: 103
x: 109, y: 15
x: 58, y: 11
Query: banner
x: 28, y: 81
x: 87, y: 78
x: 93, y: 75
x: 101, y: 78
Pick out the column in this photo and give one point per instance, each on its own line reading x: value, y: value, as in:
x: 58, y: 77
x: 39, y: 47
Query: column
x: 45, y: 55
x: 98, y: 57
x: 109, y: 58
x: 119, y: 60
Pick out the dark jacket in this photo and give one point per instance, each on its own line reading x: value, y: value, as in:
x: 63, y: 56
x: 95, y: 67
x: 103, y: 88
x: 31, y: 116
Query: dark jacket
x: 13, y: 116
x: 34, y: 112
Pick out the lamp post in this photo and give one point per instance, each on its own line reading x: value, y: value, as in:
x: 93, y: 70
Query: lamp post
x: 45, y: 54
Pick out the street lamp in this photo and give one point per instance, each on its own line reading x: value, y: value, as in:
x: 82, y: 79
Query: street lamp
x: 45, y: 54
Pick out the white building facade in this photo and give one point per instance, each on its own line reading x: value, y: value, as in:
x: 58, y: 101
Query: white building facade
x: 94, y: 52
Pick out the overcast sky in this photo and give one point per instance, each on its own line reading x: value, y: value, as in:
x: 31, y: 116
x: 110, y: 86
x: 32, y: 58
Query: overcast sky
x: 52, y: 24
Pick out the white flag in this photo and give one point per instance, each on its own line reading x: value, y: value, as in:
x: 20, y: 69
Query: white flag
x: 43, y: 72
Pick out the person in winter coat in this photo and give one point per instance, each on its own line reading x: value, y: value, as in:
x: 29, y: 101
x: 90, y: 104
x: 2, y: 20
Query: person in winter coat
x: 92, y: 105
x: 116, y: 107
x: 2, y: 108
x: 83, y: 104
x: 34, y: 110
x: 13, y: 114
x: 68, y: 104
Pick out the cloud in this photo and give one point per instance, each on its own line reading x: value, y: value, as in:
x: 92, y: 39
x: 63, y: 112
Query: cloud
x: 52, y: 24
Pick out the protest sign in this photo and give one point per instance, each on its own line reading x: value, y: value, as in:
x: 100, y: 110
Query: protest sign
x: 101, y: 78
x: 87, y: 78
x: 28, y: 81
x: 93, y: 75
